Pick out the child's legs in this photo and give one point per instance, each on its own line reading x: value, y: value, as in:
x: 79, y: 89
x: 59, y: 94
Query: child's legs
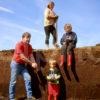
x: 69, y: 59
x: 56, y: 91
x: 70, y: 55
x: 50, y: 91
x: 55, y: 97
x: 63, y: 55
x: 50, y: 97
x: 63, y: 49
x: 64, y: 52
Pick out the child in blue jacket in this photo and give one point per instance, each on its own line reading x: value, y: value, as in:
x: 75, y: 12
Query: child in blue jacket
x: 68, y: 42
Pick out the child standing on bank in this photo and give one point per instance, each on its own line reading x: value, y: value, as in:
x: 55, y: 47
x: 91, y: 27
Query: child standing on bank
x: 53, y: 80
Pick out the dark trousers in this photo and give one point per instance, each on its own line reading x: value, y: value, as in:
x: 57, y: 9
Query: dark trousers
x: 50, y: 29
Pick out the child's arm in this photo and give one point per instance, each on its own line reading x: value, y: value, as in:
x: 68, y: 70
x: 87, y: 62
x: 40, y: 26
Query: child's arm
x: 48, y: 77
x: 58, y: 76
x: 75, y: 40
x: 62, y: 41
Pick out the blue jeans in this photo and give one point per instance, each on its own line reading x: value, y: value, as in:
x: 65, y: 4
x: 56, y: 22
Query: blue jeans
x: 19, y: 69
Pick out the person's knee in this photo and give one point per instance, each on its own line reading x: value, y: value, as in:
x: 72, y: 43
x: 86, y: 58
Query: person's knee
x: 12, y: 82
x: 63, y: 52
x: 13, y: 79
x: 27, y: 77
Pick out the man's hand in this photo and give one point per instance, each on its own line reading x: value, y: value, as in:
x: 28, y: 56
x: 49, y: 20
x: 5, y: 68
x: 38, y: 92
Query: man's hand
x: 34, y: 65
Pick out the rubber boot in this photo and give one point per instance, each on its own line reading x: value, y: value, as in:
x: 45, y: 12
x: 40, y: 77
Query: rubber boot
x: 61, y: 60
x: 69, y: 59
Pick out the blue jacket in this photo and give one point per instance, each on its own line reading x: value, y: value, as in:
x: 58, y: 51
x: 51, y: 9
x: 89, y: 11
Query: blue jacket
x: 69, y: 39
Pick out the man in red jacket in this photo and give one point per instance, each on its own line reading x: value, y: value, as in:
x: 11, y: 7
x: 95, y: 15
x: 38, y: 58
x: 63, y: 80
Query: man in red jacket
x: 22, y: 56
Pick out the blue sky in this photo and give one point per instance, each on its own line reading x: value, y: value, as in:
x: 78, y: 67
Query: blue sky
x: 18, y: 16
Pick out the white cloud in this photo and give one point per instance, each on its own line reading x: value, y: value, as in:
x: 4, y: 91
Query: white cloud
x: 6, y: 10
x: 11, y: 33
x: 41, y: 3
x: 17, y: 26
